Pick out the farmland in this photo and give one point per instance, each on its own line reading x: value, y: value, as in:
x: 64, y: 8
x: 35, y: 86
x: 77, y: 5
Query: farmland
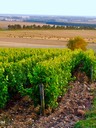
x: 24, y: 65
x: 44, y: 38
x: 37, y: 65
x: 23, y: 69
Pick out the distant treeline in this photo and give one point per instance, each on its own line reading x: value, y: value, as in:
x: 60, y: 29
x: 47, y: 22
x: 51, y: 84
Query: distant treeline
x: 72, y: 24
x: 52, y: 26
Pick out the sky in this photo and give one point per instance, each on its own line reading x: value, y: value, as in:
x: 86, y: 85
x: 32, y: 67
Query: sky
x: 49, y: 7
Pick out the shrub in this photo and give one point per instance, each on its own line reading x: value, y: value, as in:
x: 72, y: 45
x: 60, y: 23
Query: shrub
x: 77, y: 43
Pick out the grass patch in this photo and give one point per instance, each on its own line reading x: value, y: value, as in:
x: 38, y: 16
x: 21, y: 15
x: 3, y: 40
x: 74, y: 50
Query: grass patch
x: 90, y: 121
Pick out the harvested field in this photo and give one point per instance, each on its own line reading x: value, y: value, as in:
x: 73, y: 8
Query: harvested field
x: 44, y: 38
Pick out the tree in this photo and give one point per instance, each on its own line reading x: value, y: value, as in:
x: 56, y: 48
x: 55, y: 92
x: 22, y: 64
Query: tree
x: 77, y: 43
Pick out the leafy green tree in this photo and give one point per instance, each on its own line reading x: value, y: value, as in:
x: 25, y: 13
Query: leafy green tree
x: 77, y: 43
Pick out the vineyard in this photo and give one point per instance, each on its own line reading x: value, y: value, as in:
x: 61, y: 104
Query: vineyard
x: 23, y: 70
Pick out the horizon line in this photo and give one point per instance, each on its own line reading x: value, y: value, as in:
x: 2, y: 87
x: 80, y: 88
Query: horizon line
x: 47, y: 15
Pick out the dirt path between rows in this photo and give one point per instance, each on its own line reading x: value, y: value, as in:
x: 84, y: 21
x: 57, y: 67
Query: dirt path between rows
x: 72, y: 108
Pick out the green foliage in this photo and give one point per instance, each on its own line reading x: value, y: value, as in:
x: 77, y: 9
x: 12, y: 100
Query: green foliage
x: 77, y: 43
x: 3, y: 87
x: 22, y: 70
x: 82, y: 61
x: 54, y: 74
x: 88, y: 123
x: 51, y: 27
x: 14, y: 27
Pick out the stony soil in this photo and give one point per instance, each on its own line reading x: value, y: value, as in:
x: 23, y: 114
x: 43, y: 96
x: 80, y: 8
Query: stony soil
x: 72, y: 107
x: 21, y: 113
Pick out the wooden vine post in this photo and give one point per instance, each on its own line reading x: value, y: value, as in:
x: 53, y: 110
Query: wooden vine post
x: 92, y: 73
x: 41, y: 87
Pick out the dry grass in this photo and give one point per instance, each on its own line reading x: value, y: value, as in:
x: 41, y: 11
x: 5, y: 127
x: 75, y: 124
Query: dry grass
x: 89, y: 35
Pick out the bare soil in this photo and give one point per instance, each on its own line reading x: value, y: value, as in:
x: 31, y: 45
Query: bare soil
x: 37, y: 43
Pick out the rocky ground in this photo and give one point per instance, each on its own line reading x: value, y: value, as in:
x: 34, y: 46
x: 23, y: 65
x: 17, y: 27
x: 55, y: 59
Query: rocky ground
x: 72, y: 107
